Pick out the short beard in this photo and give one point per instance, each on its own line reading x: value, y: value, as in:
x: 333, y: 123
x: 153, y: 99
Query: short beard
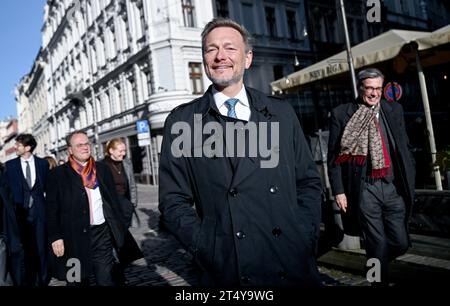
x: 226, y: 82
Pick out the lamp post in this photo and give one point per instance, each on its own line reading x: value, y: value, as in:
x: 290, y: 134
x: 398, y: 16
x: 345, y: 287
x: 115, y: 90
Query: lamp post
x: 348, y: 242
x: 349, y: 49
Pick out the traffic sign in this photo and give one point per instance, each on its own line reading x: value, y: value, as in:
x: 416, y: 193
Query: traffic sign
x: 143, y: 136
x: 142, y: 126
x: 389, y: 90
x: 144, y: 142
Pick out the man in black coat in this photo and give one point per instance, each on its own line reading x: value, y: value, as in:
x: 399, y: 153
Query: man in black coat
x: 84, y: 217
x: 372, y: 171
x: 257, y: 208
x: 26, y: 176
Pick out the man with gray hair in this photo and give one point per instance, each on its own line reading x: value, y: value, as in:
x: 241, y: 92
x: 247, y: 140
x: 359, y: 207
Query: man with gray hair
x: 372, y: 170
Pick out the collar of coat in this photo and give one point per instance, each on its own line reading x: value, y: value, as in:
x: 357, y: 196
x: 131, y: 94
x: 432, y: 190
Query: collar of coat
x: 258, y: 101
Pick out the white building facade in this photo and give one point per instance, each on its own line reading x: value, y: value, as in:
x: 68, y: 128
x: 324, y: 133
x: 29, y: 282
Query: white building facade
x: 109, y: 63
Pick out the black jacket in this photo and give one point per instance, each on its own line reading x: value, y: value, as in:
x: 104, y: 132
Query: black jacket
x: 348, y: 178
x: 253, y: 225
x: 68, y: 215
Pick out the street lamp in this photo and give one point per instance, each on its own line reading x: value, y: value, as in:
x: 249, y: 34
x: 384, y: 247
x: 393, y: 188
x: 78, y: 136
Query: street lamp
x: 296, y: 62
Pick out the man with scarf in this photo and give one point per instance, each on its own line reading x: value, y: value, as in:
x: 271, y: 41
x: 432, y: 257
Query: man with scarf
x: 84, y: 218
x: 372, y: 171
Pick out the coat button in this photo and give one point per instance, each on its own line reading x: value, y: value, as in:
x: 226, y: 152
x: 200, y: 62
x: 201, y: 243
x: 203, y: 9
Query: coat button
x: 84, y: 230
x: 84, y: 211
x: 240, y: 234
x: 273, y: 189
x: 233, y: 192
x: 276, y: 231
x: 282, y: 274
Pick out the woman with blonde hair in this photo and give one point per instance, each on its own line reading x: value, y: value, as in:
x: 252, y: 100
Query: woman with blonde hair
x: 51, y: 162
x: 123, y: 174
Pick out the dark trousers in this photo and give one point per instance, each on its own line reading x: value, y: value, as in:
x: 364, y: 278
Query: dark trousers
x: 27, y: 266
x: 102, y: 259
x: 382, y: 213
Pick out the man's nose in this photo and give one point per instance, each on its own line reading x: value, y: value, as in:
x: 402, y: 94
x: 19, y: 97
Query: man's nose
x: 221, y: 54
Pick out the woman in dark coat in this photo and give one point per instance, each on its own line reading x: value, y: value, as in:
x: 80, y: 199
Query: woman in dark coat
x: 123, y: 176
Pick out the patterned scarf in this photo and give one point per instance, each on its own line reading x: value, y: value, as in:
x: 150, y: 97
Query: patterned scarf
x: 362, y: 136
x: 88, y: 172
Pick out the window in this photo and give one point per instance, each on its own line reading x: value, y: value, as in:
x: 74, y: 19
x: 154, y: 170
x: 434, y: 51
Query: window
x: 222, y: 8
x: 292, y: 24
x: 188, y: 13
x: 247, y: 11
x: 145, y: 78
x: 195, y: 75
x: 270, y: 21
x: 142, y: 18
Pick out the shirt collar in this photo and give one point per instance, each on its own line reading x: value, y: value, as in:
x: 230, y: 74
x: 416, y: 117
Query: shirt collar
x: 220, y: 98
x: 30, y: 160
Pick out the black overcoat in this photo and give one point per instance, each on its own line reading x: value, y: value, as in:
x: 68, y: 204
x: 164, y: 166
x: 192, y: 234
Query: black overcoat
x: 253, y: 225
x: 348, y: 178
x: 68, y: 216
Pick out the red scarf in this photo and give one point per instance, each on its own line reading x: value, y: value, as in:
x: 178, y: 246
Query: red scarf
x: 88, y: 172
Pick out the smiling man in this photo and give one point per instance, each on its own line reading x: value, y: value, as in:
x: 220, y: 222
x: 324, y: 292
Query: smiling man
x: 84, y: 217
x: 251, y: 225
x: 372, y: 170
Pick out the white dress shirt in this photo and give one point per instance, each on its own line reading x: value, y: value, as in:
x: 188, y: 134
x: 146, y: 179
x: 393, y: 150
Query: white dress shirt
x: 95, y: 206
x: 32, y: 168
x: 242, y: 108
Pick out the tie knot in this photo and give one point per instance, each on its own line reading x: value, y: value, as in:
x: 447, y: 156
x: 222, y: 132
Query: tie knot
x: 231, y: 103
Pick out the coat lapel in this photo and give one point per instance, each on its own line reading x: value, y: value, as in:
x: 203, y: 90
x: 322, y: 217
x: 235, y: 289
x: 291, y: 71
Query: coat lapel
x: 392, y: 121
x: 260, y: 112
x: 75, y: 177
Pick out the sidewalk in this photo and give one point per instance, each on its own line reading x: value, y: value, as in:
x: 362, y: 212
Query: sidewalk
x: 427, y: 262
x: 166, y: 263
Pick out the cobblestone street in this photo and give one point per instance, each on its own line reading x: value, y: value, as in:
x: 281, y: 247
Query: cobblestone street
x: 167, y: 263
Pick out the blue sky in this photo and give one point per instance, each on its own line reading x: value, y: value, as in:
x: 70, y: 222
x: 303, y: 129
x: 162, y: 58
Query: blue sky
x: 20, y: 35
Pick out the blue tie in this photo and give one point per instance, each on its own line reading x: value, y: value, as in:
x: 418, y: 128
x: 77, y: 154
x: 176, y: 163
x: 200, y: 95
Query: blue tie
x: 231, y: 103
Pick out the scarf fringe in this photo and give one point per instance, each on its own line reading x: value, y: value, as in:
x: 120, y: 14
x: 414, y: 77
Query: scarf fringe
x: 358, y: 159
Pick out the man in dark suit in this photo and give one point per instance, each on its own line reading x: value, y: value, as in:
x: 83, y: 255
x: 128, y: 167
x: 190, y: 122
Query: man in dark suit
x: 372, y: 170
x: 84, y: 217
x: 256, y: 217
x: 26, y: 176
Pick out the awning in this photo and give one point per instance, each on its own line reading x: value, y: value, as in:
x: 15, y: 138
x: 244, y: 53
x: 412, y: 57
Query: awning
x: 381, y: 48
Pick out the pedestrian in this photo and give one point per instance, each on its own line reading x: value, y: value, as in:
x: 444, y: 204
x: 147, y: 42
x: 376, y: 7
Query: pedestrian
x: 26, y: 176
x: 372, y: 171
x: 245, y: 221
x: 123, y: 175
x: 84, y: 217
x: 51, y: 162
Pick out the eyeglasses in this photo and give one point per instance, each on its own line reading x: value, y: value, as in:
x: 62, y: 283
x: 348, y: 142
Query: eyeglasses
x: 372, y: 89
x: 82, y: 145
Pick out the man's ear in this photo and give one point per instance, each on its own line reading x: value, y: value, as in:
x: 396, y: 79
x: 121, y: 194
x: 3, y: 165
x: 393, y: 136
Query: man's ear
x: 248, y: 59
